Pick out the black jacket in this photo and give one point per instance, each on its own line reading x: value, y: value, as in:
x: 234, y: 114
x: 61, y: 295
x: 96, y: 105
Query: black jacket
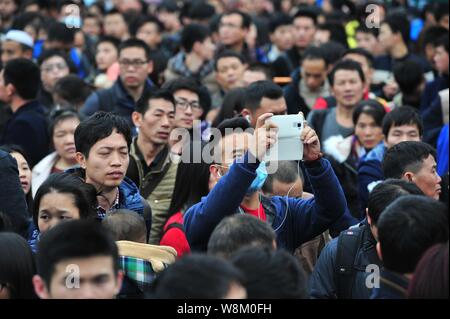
x: 295, y: 102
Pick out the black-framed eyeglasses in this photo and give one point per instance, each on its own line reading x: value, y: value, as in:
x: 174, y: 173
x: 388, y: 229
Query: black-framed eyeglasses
x: 135, y: 63
x: 184, y: 104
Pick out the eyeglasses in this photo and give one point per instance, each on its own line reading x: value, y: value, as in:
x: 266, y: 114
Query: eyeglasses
x: 135, y: 63
x: 54, y: 67
x: 184, y: 104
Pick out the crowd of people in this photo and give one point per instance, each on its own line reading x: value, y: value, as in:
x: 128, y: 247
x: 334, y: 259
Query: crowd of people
x: 134, y: 135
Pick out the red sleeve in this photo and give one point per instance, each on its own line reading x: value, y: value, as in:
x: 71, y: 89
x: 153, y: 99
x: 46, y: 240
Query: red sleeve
x: 321, y: 104
x: 176, y: 238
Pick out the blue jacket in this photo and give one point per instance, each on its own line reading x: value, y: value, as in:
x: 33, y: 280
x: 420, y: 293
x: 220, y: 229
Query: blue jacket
x: 392, y: 286
x: 12, y: 198
x: 432, y: 90
x: 28, y: 127
x: 295, y: 220
x: 369, y: 171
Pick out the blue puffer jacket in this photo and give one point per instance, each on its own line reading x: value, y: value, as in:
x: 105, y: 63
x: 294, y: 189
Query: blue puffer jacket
x: 370, y: 171
x: 295, y: 220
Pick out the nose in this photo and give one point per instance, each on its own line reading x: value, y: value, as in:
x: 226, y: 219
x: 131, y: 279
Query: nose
x: 70, y: 139
x: 87, y: 291
x: 115, y: 159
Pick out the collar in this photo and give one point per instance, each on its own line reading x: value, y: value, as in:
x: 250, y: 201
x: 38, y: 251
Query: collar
x: 28, y: 106
x: 158, y: 163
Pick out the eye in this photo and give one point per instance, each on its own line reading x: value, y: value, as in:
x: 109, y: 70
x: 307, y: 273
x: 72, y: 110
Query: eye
x: 44, y: 217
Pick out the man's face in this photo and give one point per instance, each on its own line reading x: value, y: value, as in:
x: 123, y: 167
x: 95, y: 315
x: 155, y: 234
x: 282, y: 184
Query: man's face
x: 367, y: 131
x: 231, y: 31
x: 13, y: 50
x: 427, y: 178
x: 386, y: 37
x: 283, y: 37
x: 348, y: 88
x: 52, y: 70
x: 277, y: 107
x: 134, y: 67
x: 231, y: 146
x: 107, y: 162
x: 206, y: 49
x: 314, y: 73
x: 230, y: 72
x: 321, y: 37
x: 366, y: 41
x: 97, y: 280
x: 304, y: 30
x: 368, y: 71
x: 403, y: 133
x: 149, y: 33
x: 91, y: 27
x: 156, y: 124
x: 187, y: 108
x: 114, y: 25
x: 7, y: 9
x: 253, y: 76
x: 106, y: 55
x: 441, y: 60
x: 5, y: 91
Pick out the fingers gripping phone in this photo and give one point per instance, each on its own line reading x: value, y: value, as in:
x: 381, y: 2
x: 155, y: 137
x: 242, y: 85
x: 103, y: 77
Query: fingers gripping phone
x: 289, y: 147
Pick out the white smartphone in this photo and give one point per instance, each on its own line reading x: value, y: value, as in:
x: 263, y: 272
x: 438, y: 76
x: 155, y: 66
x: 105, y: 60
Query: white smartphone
x: 289, y: 147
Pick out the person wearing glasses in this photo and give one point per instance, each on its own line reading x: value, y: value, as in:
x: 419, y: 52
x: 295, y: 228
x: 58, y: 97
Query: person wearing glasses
x: 133, y: 82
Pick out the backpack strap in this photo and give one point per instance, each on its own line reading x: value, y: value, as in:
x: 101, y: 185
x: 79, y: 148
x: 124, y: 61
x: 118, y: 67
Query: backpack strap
x: 348, y: 244
x: 174, y: 225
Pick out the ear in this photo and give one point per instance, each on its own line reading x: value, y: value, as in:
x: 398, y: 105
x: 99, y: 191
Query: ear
x: 369, y: 220
x: 81, y: 159
x: 247, y: 114
x: 408, y: 176
x: 28, y: 54
x: 378, y: 247
x: 40, y: 288
x: 10, y: 89
x: 136, y: 117
x: 150, y: 67
x: 119, y: 281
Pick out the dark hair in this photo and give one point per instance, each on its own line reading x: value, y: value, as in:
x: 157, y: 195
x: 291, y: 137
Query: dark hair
x: 400, y: 116
x: 24, y: 75
x: 168, y: 6
x: 279, y: 20
x: 287, y: 173
x: 136, y: 43
x: 73, y: 90
x: 314, y: 53
x: 332, y: 51
x: 440, y: 10
x: 371, y: 108
x: 143, y: 20
x: 261, y: 67
x: 205, y: 101
x: 238, y: 231
x: 126, y: 224
x: 303, y: 12
x: 109, y: 39
x: 398, y: 22
x: 182, y: 83
x: 143, y: 103
x: 409, y: 76
x: 431, y: 35
x: 442, y: 42
x: 58, y: 116
x: 97, y: 127
x: 201, y: 10
x: 255, y: 92
x: 407, y: 228
x: 17, y: 266
x: 364, y: 29
x: 404, y: 157
x: 386, y: 193
x: 271, y: 274
x: 430, y: 280
x: 84, y: 195
x: 348, y: 65
x: 13, y: 148
x: 196, y: 277
x: 246, y: 19
x: 336, y: 30
x: 58, y: 31
x: 48, y: 54
x: 73, y: 239
x: 233, y: 104
x: 5, y: 223
x: 228, y: 54
x: 363, y: 52
x: 191, y: 34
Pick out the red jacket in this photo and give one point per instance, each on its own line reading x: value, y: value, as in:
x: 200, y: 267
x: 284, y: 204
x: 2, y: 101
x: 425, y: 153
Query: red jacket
x: 174, y: 235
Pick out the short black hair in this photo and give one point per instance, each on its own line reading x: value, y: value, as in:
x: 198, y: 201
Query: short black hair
x: 271, y: 274
x: 314, y: 53
x: 109, y: 39
x: 409, y: 76
x: 255, y: 92
x: 348, y: 65
x: 140, y: 21
x: 432, y: 34
x: 407, y: 228
x: 97, y: 127
x: 143, y: 103
x: 72, y: 89
x: 228, y: 54
x: 50, y: 53
x: 246, y: 19
x: 238, y: 231
x: 182, y: 83
x: 333, y: 51
x: 386, y: 193
x: 400, y: 116
x: 126, y: 224
x: 168, y: 6
x: 305, y: 12
x: 336, y: 30
x: 191, y: 34
x: 288, y: 172
x: 58, y: 31
x: 364, y: 29
x: 398, y: 22
x: 404, y: 157
x: 372, y: 108
x: 196, y: 277
x: 363, y: 52
x: 136, y: 43
x: 24, y: 75
x: 261, y: 67
x: 279, y: 20
x: 442, y: 42
x: 73, y: 239
x: 57, y: 116
x: 201, y: 10
x: 84, y: 195
x: 17, y: 266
